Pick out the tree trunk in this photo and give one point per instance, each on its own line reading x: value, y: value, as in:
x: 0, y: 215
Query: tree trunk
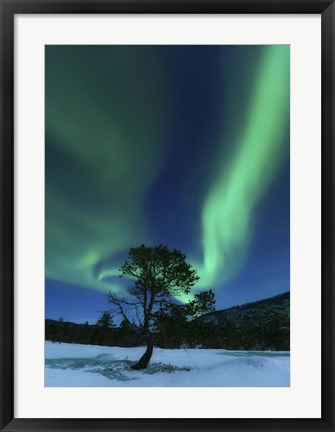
x: 144, y: 360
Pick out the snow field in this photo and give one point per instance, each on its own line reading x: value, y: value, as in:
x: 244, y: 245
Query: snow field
x: 74, y: 365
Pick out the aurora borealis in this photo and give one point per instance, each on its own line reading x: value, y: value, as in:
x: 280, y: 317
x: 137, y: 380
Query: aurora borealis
x: 182, y: 145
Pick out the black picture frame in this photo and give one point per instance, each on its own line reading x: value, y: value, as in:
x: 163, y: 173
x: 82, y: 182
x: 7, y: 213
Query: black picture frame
x: 8, y: 9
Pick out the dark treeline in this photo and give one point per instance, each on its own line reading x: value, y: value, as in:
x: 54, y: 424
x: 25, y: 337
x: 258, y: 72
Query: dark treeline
x: 128, y: 335
x: 261, y: 325
x: 63, y: 331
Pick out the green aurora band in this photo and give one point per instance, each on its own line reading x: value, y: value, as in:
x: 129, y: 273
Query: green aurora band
x: 231, y: 201
x: 94, y: 115
x: 97, y: 142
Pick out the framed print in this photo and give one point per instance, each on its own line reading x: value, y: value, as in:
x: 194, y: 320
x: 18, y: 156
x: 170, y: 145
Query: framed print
x: 167, y: 215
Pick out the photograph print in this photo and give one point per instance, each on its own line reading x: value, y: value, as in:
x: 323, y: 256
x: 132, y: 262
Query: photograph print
x: 167, y: 216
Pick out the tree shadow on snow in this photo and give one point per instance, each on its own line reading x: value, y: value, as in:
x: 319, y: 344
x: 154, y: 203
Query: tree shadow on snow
x: 103, y: 364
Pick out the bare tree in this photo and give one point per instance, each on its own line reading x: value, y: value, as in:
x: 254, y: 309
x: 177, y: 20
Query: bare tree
x: 159, y: 276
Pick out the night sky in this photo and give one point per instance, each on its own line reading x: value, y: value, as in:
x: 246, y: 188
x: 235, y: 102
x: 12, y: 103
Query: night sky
x: 187, y: 146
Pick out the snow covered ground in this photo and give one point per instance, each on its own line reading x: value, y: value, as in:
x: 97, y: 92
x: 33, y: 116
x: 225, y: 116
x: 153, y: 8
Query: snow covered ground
x: 72, y: 365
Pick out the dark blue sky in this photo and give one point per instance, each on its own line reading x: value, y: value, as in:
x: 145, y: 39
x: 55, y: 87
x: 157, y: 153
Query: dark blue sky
x: 138, y: 141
